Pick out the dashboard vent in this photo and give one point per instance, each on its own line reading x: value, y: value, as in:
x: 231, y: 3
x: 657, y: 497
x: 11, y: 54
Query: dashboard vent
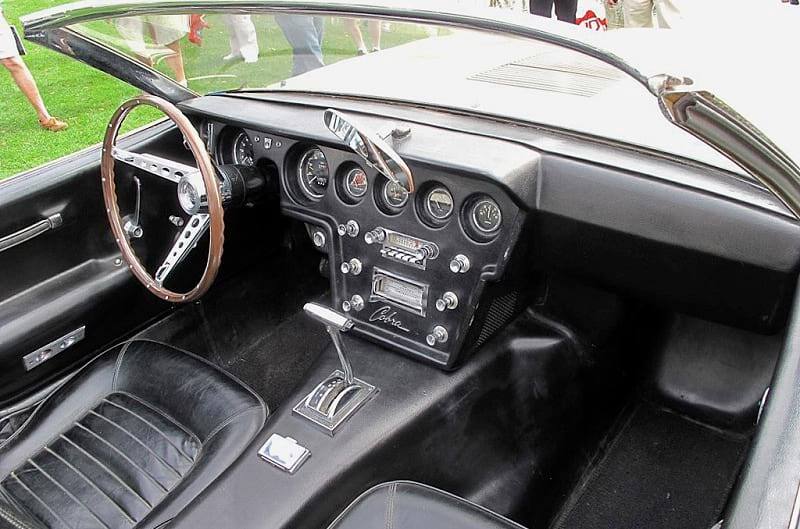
x: 554, y: 72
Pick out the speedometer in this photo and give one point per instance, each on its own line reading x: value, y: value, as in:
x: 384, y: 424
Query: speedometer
x: 243, y: 150
x: 313, y: 173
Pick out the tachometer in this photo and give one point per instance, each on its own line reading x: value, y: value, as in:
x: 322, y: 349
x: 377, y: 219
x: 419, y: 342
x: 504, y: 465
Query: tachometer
x: 313, y: 173
x: 486, y: 215
x: 439, y: 203
x: 243, y: 153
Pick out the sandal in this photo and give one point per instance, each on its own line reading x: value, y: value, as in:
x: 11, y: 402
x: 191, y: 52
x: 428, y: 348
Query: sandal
x: 53, y: 124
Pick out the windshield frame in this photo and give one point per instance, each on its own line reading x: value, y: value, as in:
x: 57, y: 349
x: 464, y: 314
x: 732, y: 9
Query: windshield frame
x: 50, y: 27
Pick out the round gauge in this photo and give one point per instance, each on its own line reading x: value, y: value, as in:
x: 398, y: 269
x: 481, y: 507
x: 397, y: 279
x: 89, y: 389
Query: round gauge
x: 313, y: 173
x: 439, y: 203
x: 394, y: 194
x: 243, y: 150
x: 486, y: 215
x: 355, y: 183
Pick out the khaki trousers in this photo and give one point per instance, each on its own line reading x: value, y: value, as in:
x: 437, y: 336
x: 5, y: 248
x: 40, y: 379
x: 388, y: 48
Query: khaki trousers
x: 639, y: 13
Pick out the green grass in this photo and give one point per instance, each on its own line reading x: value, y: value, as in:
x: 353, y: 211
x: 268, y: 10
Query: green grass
x: 86, y: 98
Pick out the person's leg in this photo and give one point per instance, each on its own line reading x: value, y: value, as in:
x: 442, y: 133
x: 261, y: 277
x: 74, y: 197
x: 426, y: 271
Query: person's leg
x: 374, y: 27
x: 667, y: 13
x: 567, y: 10
x: 638, y: 13
x: 543, y: 8
x: 304, y: 35
x: 351, y: 26
x: 241, y: 37
x: 175, y: 62
x: 24, y: 80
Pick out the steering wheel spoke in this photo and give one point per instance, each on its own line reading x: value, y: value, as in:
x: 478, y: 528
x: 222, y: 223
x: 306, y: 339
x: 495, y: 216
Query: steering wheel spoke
x: 197, y: 190
x: 156, y: 165
x: 194, y: 228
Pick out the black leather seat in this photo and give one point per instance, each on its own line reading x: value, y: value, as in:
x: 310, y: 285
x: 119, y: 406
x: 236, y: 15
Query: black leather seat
x: 409, y: 505
x: 127, y: 442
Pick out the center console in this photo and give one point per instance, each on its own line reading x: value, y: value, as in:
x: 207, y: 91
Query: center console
x: 409, y: 268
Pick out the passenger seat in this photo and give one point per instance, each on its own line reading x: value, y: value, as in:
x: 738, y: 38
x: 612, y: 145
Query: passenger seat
x: 409, y: 505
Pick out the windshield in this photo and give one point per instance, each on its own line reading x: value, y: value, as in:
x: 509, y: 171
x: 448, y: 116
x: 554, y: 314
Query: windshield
x: 467, y: 70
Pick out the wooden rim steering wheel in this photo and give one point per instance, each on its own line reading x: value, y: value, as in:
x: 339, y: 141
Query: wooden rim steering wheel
x: 198, y: 192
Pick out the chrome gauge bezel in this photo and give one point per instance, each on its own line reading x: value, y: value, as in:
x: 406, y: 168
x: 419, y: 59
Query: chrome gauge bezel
x: 346, y: 183
x: 474, y: 218
x: 428, y: 208
x: 469, y: 218
x: 383, y: 201
x: 300, y: 174
x: 235, y: 149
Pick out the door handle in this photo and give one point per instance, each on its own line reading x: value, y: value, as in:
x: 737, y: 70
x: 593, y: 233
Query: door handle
x: 34, y: 230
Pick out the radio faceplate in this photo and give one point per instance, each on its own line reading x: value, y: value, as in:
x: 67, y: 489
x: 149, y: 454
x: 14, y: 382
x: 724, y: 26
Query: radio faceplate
x: 403, y: 248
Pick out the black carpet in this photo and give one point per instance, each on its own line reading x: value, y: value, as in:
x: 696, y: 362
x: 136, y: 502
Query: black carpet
x: 660, y: 471
x: 254, y: 327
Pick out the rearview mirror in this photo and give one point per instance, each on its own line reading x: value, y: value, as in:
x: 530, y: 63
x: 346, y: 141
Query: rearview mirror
x: 375, y: 151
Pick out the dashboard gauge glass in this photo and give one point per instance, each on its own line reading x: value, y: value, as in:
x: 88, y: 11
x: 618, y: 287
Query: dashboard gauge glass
x: 313, y: 173
x: 439, y: 203
x: 355, y: 183
x: 394, y: 194
x: 486, y: 215
x: 243, y: 153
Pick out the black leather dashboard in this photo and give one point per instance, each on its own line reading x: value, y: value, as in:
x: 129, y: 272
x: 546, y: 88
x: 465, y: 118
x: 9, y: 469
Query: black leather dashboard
x: 689, y: 237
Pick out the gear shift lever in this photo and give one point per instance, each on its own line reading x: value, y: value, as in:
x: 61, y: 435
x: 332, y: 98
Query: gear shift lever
x: 338, y: 396
x: 335, y: 324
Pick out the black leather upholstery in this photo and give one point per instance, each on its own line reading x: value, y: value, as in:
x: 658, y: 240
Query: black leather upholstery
x: 409, y: 505
x: 127, y: 442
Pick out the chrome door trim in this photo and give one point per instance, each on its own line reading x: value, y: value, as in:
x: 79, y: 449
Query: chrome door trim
x: 34, y: 230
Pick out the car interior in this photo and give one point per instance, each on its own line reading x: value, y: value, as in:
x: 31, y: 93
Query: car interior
x: 421, y: 318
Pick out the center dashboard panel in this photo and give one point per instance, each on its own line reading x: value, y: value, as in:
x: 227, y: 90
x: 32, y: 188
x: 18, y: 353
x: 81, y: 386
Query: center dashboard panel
x: 409, y: 268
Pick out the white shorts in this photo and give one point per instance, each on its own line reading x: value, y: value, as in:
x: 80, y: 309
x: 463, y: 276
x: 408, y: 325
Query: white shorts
x: 8, y: 46
x: 161, y: 29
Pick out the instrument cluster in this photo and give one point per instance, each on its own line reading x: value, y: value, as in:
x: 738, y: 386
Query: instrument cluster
x: 480, y: 215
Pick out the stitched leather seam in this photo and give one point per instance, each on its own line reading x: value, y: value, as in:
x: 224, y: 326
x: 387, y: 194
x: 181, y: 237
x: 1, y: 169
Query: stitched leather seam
x: 108, y: 470
x: 37, y: 498
x: 151, y: 425
x: 125, y: 457
x: 12, y: 518
x: 186, y: 430
x: 229, y: 420
x: 140, y: 442
x: 93, y: 484
x: 390, y: 506
x: 215, y: 367
x: 68, y: 493
x: 119, y: 364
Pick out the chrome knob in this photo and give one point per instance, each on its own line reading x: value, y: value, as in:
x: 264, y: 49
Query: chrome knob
x: 448, y: 301
x: 346, y: 305
x: 341, y: 229
x: 437, y: 335
x: 352, y: 228
x: 353, y: 266
x: 318, y: 238
x: 376, y: 236
x: 459, y: 264
x: 357, y: 303
x: 426, y: 251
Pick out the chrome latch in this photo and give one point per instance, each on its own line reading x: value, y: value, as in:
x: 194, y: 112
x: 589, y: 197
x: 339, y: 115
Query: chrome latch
x: 284, y: 452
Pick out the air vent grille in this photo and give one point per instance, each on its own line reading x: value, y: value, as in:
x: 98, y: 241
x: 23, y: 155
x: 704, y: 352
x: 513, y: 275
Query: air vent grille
x: 554, y: 72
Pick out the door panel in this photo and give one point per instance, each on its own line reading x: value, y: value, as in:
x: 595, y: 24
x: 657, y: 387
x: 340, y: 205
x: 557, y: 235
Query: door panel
x: 69, y: 276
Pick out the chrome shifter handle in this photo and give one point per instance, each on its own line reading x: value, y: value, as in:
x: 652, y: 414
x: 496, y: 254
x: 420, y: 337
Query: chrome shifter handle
x: 335, y: 323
